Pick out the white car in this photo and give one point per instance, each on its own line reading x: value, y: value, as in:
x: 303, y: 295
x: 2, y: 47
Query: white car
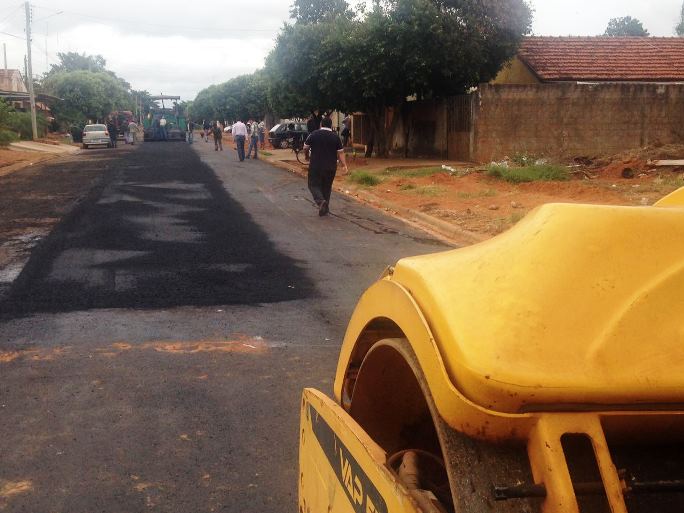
x: 96, y: 135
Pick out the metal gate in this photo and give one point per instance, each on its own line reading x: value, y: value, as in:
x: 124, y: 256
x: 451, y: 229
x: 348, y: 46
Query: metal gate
x: 460, y: 127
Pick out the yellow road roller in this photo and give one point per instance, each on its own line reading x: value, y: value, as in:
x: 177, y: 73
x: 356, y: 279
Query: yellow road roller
x: 540, y: 371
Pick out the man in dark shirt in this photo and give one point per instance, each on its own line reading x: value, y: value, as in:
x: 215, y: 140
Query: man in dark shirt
x: 326, y: 148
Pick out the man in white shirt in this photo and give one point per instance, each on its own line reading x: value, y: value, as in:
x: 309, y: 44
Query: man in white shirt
x: 162, y: 128
x: 239, y: 131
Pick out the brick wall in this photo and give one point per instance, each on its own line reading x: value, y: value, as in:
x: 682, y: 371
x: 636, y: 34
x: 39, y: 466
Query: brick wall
x: 574, y: 119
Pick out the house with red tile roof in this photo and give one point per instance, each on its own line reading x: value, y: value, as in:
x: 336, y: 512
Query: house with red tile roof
x: 596, y: 59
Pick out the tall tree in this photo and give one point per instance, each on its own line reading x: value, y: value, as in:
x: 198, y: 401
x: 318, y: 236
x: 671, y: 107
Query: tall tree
x: 680, y: 26
x: 314, y: 11
x: 86, y: 95
x: 73, y: 61
x: 625, y: 26
x: 240, y: 97
x: 400, y: 48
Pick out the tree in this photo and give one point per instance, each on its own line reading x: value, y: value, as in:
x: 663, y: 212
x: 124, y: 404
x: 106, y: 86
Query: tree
x: 241, y: 97
x: 315, y: 11
x: 680, y: 27
x: 73, y: 61
x: 625, y: 26
x: 400, y: 48
x: 86, y: 95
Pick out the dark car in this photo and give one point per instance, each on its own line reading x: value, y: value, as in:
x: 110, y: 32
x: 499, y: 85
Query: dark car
x: 281, y: 136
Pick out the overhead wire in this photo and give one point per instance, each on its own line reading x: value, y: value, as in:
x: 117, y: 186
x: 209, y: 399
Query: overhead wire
x: 11, y: 13
x: 151, y: 24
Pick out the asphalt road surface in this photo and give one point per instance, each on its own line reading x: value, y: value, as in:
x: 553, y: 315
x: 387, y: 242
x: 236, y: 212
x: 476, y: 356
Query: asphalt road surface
x: 153, y: 350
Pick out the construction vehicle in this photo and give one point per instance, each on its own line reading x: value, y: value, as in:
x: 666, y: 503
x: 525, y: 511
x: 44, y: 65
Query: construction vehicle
x: 175, y: 122
x: 540, y: 371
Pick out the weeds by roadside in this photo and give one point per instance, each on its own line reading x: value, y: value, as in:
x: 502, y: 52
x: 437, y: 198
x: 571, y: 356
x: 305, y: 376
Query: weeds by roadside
x: 486, y: 193
x: 413, y: 172
x: 364, y: 178
x: 530, y: 173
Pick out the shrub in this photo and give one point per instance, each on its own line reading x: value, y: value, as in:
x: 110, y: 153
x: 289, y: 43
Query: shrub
x: 532, y: 173
x: 413, y: 172
x: 7, y: 136
x: 364, y: 178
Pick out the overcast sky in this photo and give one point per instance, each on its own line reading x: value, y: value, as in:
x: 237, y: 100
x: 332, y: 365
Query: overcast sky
x: 180, y: 47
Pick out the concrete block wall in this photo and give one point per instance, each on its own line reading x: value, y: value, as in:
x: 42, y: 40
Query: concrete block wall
x: 575, y: 119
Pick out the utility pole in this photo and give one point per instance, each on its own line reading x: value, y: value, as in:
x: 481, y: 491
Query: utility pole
x: 32, y: 95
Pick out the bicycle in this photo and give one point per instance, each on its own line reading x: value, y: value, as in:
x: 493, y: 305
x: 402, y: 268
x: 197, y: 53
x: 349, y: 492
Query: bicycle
x: 296, y: 142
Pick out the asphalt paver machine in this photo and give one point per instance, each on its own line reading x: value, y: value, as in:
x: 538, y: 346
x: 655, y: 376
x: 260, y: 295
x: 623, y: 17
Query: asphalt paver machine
x: 176, y: 124
x: 541, y: 371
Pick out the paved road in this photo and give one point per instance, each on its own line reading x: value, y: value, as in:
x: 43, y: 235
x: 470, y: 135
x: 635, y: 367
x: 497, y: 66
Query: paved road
x: 153, y: 350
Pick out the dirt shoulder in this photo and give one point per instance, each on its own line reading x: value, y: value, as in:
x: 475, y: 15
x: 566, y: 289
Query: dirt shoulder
x: 464, y: 203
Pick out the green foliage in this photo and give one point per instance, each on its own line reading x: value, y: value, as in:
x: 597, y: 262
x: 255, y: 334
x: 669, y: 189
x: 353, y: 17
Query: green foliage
x: 242, y: 97
x: 364, y: 178
x: 679, y: 30
x: 15, y: 125
x: 400, y: 48
x: 73, y: 61
x: 87, y: 95
x: 7, y: 135
x: 315, y: 11
x: 531, y: 173
x: 487, y: 193
x: 20, y: 124
x: 429, y: 190
x: 625, y: 26
x: 413, y: 172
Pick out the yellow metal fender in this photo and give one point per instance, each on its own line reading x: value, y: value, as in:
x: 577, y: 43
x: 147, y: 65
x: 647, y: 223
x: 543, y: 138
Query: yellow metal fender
x: 341, y: 469
x: 390, y: 300
x: 674, y: 199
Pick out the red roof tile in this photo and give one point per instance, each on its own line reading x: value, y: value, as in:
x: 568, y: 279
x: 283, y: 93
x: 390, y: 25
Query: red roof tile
x: 652, y: 59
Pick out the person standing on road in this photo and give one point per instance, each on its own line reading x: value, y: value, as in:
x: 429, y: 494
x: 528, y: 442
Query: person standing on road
x: 346, y: 130
x: 162, y: 128
x: 113, y: 132
x: 206, y: 126
x: 189, y: 134
x: 262, y: 135
x: 239, y: 134
x: 133, y: 132
x: 217, y: 132
x: 253, y: 139
x: 325, y: 148
x: 313, y: 123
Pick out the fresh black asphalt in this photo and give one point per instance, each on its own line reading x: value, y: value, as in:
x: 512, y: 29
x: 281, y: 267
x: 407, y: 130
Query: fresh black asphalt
x: 153, y: 350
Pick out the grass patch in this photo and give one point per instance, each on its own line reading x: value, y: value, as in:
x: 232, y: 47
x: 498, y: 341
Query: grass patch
x: 407, y: 187
x: 487, y: 193
x: 532, y: 173
x: 266, y: 153
x: 413, y: 172
x: 364, y: 178
x: 428, y: 190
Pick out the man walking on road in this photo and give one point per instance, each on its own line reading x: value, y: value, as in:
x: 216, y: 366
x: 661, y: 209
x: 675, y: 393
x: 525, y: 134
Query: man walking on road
x: 326, y: 148
x: 239, y: 134
x: 253, y: 139
x: 217, y: 132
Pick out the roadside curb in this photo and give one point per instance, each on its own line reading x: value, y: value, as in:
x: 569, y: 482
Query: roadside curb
x: 426, y: 222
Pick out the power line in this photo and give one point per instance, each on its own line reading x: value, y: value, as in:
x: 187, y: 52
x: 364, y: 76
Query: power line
x: 159, y: 25
x: 12, y: 35
x: 12, y: 13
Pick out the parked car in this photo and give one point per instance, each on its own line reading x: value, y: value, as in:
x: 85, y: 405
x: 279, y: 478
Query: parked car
x: 280, y: 136
x: 94, y: 135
